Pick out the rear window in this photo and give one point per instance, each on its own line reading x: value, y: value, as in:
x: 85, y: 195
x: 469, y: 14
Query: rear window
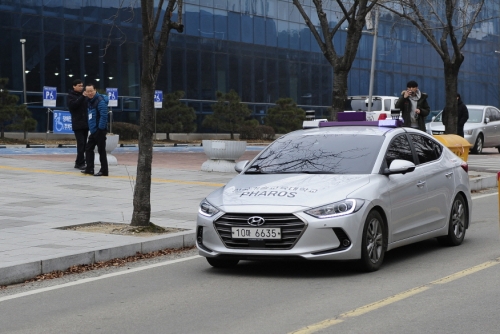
x: 362, y: 104
x: 319, y: 154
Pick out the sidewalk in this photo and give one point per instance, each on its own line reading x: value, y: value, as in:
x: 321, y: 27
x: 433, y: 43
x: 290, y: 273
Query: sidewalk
x: 41, y: 193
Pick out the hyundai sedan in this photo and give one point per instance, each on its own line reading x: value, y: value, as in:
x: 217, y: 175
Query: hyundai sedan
x: 337, y: 192
x: 481, y: 130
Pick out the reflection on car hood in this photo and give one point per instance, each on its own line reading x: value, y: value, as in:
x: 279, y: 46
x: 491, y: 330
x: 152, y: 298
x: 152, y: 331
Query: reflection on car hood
x: 304, y: 190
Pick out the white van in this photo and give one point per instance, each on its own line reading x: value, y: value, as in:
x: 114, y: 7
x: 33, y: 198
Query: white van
x: 380, y: 105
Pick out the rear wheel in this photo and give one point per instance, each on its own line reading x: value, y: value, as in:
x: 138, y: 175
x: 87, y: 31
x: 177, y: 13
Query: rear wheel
x: 222, y: 263
x: 374, y: 243
x: 478, y: 146
x: 458, y: 222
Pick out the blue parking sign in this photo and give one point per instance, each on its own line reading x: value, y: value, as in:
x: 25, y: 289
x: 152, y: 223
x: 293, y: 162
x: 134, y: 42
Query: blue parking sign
x: 113, y: 97
x: 158, y: 99
x: 49, y: 96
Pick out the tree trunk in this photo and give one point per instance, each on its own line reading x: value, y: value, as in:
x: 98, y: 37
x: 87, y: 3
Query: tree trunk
x: 450, y: 113
x: 339, y: 91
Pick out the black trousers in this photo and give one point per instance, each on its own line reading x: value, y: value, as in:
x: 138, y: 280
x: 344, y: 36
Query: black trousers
x: 97, y: 139
x: 81, y: 140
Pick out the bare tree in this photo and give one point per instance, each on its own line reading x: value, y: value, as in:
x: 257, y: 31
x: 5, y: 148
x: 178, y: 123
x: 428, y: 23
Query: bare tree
x: 354, y: 13
x: 446, y: 24
x: 154, y: 44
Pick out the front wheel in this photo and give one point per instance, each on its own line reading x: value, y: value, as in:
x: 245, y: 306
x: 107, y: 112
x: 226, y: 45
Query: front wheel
x: 222, y: 263
x: 458, y: 221
x: 478, y: 146
x: 374, y: 243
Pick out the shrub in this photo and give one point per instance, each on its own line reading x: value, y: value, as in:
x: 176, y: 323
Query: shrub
x: 127, y: 131
x: 267, y: 132
x: 250, y: 132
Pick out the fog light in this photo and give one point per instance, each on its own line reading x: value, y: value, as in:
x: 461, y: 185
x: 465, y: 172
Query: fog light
x: 199, y: 235
x: 346, y: 242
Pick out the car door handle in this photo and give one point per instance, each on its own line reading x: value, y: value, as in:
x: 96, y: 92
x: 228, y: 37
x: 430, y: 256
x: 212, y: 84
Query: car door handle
x: 448, y: 175
x: 420, y: 184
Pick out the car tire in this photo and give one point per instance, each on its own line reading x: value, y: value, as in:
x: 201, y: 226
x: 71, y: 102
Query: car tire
x: 459, y: 219
x: 374, y: 242
x: 222, y: 263
x: 478, y: 146
x: 498, y: 148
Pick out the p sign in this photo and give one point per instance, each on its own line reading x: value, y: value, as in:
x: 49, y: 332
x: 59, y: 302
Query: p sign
x: 49, y: 96
x: 158, y: 99
x: 113, y: 97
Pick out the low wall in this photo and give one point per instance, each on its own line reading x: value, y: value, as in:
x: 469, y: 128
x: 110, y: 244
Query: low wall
x: 159, y: 136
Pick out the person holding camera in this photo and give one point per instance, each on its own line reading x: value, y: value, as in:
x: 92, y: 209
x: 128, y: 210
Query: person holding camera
x: 414, y: 106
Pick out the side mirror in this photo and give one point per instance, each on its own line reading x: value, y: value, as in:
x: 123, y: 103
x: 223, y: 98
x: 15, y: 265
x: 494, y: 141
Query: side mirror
x: 240, y: 165
x: 399, y: 166
x: 486, y: 120
x: 433, y: 118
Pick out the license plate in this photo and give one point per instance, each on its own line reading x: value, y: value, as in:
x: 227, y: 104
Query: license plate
x: 255, y: 233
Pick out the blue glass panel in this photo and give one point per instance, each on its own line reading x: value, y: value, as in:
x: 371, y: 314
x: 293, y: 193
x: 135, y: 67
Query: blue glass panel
x: 72, y: 9
x: 192, y: 20
x: 233, y: 5
x: 283, y: 10
x: 294, y: 36
x: 220, y: 21
x: 246, y: 28
x: 294, y: 15
x: 92, y: 30
x: 260, y: 7
x: 31, y: 6
x: 259, y: 30
x: 271, y: 33
x: 234, y: 26
x: 305, y: 38
x: 207, y: 3
x: 92, y: 10
x: 53, y: 25
x: 29, y: 22
x: 207, y: 22
x: 271, y: 8
x: 52, y: 7
x: 220, y: 4
x: 195, y: 2
x: 283, y: 34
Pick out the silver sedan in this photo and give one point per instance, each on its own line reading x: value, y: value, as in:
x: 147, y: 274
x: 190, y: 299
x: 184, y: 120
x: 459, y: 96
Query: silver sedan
x: 481, y: 130
x: 337, y: 193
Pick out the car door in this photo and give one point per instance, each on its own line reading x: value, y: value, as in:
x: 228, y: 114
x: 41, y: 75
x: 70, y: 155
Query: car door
x: 407, y: 192
x: 440, y: 183
x: 490, y: 128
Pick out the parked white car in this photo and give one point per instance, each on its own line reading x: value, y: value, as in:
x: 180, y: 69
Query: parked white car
x: 481, y: 130
x: 380, y: 105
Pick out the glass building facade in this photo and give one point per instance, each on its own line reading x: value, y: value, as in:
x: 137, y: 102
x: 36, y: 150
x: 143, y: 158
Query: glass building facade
x: 260, y: 48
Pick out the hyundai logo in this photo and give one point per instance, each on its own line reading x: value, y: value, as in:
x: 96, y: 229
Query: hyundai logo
x: 256, y: 221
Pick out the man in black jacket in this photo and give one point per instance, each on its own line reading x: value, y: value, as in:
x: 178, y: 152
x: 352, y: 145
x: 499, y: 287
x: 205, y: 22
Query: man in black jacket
x: 77, y: 105
x: 414, y: 106
x: 463, y: 115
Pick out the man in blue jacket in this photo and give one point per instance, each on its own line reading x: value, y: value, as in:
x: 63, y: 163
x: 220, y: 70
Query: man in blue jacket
x: 98, y: 124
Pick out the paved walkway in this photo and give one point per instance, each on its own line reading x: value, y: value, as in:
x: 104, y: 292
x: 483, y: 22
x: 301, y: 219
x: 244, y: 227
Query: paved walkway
x: 40, y: 192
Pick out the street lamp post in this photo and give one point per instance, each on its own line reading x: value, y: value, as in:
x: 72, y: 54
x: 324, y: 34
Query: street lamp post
x: 24, y: 69
x: 374, y: 54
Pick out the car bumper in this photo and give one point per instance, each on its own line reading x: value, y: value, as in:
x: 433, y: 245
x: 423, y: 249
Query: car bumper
x: 321, y: 239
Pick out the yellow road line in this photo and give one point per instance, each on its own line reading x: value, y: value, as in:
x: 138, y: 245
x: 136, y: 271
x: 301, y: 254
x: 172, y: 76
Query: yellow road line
x: 126, y: 177
x: 392, y: 299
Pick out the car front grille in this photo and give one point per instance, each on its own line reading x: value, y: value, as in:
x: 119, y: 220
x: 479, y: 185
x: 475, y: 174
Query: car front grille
x: 291, y: 229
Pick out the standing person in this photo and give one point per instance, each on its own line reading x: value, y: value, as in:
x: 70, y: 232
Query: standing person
x: 414, y: 106
x: 77, y: 105
x: 98, y: 123
x: 463, y: 115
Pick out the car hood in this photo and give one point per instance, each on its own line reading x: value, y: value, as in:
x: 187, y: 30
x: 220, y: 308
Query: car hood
x: 299, y: 190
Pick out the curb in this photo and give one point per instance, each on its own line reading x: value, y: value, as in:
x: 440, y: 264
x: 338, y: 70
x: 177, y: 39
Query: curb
x: 21, y: 272
x: 483, y: 182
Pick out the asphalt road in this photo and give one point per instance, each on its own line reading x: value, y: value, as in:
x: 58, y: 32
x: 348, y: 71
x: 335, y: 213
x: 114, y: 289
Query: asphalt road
x: 421, y: 288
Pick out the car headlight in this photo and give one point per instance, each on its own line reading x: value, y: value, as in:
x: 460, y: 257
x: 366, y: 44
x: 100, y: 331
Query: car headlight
x: 468, y: 132
x: 207, y: 209
x: 336, y: 209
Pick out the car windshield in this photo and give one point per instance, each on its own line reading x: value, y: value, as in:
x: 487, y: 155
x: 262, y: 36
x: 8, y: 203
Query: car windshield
x: 319, y: 154
x: 475, y: 116
x: 361, y: 104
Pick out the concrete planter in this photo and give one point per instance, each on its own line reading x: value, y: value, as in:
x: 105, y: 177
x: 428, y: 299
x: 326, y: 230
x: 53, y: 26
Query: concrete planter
x: 111, y: 144
x: 222, y: 155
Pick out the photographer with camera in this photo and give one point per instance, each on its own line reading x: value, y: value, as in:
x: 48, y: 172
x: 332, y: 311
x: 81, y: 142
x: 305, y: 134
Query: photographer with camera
x: 414, y: 107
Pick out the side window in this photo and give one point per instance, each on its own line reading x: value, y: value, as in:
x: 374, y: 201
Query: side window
x: 399, y: 149
x: 387, y: 105
x: 495, y: 116
x: 488, y: 114
x: 426, y: 148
